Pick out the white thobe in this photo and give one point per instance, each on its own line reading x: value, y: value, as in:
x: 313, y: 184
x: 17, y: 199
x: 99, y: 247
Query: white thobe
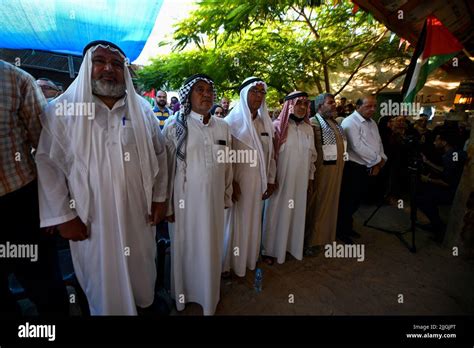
x: 200, y: 195
x: 285, y: 211
x: 115, y: 265
x: 243, y: 226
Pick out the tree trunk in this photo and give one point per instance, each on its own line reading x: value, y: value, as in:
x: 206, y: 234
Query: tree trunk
x: 326, y: 78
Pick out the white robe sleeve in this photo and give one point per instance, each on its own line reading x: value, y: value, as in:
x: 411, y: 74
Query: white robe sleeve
x: 228, y: 175
x: 168, y: 134
x: 313, y: 158
x: 271, y: 176
x: 53, y: 192
x: 160, y: 187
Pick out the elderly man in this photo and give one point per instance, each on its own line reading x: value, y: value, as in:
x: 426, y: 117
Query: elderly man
x: 49, y: 88
x: 201, y: 187
x: 286, y: 209
x: 102, y: 181
x: 330, y: 142
x: 366, y: 158
x: 254, y: 180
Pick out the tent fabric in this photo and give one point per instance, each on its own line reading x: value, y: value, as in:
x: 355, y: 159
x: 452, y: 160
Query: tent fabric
x: 66, y: 26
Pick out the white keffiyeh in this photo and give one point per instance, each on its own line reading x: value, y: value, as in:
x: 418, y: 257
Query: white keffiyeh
x: 72, y: 134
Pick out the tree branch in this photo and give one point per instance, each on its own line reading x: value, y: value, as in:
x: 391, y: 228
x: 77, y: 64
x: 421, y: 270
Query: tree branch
x: 350, y: 46
x: 308, y: 22
x: 361, y: 62
x: 394, y: 77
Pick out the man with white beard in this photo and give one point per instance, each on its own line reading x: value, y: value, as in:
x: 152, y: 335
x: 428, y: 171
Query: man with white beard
x: 200, y: 190
x: 252, y: 130
x: 103, y: 181
x: 284, y: 221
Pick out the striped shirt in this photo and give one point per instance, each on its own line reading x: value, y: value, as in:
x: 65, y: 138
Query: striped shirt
x: 162, y: 116
x: 21, y: 103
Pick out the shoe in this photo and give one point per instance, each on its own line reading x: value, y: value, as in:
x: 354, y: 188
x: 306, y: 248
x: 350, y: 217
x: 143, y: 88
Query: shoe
x: 268, y: 260
x: 226, y: 275
x: 346, y: 239
x: 426, y: 227
x: 308, y: 252
x: 354, y: 234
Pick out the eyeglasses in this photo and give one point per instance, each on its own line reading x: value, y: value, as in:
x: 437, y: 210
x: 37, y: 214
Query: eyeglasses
x: 201, y: 90
x: 304, y: 102
x: 254, y: 90
x: 101, y: 62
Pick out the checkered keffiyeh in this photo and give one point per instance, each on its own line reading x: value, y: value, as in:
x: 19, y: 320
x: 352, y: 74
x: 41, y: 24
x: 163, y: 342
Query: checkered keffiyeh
x: 327, y: 134
x: 181, y: 119
x: 281, y: 123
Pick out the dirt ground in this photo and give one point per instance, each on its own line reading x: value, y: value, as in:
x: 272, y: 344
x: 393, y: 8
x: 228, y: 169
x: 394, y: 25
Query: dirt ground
x: 432, y: 280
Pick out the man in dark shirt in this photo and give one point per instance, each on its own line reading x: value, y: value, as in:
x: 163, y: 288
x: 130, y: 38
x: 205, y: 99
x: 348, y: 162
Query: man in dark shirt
x: 439, y: 186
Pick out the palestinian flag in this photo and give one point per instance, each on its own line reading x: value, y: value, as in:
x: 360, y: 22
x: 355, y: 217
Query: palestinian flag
x: 435, y: 46
x: 150, y: 96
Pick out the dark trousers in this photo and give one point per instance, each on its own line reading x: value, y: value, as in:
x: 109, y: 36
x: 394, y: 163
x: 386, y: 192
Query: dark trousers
x: 429, y: 197
x: 41, y: 279
x: 162, y: 243
x: 355, y: 181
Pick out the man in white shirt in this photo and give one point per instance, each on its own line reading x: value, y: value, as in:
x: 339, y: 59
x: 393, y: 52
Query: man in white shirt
x: 366, y: 158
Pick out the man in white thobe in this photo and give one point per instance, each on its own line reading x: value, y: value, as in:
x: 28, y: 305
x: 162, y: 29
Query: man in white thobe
x: 254, y: 181
x: 102, y: 173
x: 201, y: 186
x: 285, y: 210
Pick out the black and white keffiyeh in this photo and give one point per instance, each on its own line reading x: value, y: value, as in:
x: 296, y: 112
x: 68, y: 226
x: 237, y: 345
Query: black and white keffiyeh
x: 329, y: 140
x: 181, y: 119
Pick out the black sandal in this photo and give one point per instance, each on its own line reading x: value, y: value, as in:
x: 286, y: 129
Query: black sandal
x: 268, y: 260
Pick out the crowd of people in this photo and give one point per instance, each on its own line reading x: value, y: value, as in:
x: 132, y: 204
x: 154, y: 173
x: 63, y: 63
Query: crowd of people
x: 231, y: 185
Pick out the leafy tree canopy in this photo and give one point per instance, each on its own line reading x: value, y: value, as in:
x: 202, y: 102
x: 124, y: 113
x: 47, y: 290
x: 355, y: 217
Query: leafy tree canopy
x: 290, y: 44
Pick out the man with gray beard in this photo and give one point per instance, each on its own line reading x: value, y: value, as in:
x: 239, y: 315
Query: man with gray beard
x: 323, y: 196
x: 103, y: 181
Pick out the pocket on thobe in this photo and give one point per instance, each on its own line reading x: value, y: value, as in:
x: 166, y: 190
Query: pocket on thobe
x: 128, y: 136
x: 220, y: 154
x: 265, y: 139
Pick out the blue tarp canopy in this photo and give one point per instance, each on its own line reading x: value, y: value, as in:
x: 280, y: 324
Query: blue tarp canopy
x: 66, y: 26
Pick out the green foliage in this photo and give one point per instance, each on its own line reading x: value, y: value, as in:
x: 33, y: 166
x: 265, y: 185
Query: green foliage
x: 292, y: 45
